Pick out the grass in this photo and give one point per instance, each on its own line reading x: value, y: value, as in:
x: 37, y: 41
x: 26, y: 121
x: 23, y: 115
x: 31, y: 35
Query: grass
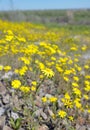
x: 75, y: 17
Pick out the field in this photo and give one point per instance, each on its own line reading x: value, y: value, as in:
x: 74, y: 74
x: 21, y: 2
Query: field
x: 49, y: 17
x: 45, y: 71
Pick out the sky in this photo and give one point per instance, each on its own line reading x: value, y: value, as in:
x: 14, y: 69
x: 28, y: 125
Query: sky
x: 43, y: 4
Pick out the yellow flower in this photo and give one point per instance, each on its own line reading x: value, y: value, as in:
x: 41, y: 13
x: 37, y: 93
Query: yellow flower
x: 77, y: 92
x: 53, y: 116
x: 87, y: 82
x: 88, y: 110
x: 59, y: 69
x: 53, y: 99
x: 84, y: 48
x: 76, y: 60
x: 62, y: 114
x: 67, y: 96
x: 86, y: 66
x: 48, y: 72
x: 74, y: 48
x: 74, y: 84
x: 77, y: 103
x: 16, y: 71
x: 41, y: 76
x: 70, y: 62
x: 87, y: 88
x: 9, y: 37
x: 67, y: 72
x: 86, y: 97
x: 16, y: 84
x: 33, y: 88
x: 53, y: 58
x: 41, y: 65
x: 76, y: 78
x: 66, y: 79
x: 23, y: 70
x: 67, y: 103
x: 87, y: 76
x: 79, y: 68
x: 1, y: 67
x: 25, y: 89
x: 70, y: 118
x: 44, y: 99
x: 25, y: 60
x: 34, y: 83
x: 7, y: 68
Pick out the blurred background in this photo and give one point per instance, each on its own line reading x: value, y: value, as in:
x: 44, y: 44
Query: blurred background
x: 46, y: 12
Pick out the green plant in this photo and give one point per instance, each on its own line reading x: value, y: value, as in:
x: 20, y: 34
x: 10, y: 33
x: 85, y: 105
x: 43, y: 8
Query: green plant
x: 15, y: 124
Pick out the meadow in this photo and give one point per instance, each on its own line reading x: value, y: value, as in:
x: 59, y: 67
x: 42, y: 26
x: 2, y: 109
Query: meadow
x: 49, y: 85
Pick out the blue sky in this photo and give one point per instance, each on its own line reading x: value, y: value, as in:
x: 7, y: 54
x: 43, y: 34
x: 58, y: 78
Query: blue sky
x: 43, y: 4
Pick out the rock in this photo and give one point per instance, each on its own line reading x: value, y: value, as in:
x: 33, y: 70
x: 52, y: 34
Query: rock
x: 44, y: 116
x: 7, y: 75
x: 82, y: 72
x: 2, y: 122
x: 14, y: 101
x: 48, y: 95
x: 37, y: 112
x: 7, y: 128
x: 21, y: 129
x: 38, y: 102
x: 43, y: 127
x: 2, y: 110
x: 77, y: 126
x: 81, y: 121
x: 88, y: 126
x: 41, y: 92
x: 6, y: 99
x: 2, y: 89
x: 50, y: 111
x: 86, y: 56
x: 65, y: 122
x: 14, y: 115
x: 0, y: 101
x: 82, y: 128
x: 60, y: 104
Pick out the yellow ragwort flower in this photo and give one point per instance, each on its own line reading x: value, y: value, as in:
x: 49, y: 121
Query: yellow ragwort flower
x: 25, y: 89
x: 62, y: 114
x: 48, y: 72
x: 16, y: 84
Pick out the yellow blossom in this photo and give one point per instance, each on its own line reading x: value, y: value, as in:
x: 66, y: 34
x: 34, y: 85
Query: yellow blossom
x: 67, y: 96
x: 62, y: 113
x: 66, y: 79
x: 53, y: 99
x: 77, y: 92
x: 48, y: 72
x: 1, y: 67
x: 33, y: 88
x: 44, y: 99
x: 71, y: 118
x: 74, y: 84
x: 25, y: 89
x: 87, y: 88
x: 16, y: 84
x: 76, y: 78
x: 7, y: 68
x: 34, y: 83
x: 86, y: 96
